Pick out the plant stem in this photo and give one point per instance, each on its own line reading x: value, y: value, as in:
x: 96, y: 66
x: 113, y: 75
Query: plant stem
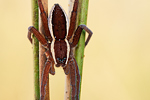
x: 81, y: 19
x: 42, y: 57
x: 79, y: 52
x: 67, y: 80
x: 35, y: 16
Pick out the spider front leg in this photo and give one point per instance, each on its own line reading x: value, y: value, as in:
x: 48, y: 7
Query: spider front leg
x: 78, y: 34
x: 49, y: 65
x: 74, y: 78
x: 49, y: 68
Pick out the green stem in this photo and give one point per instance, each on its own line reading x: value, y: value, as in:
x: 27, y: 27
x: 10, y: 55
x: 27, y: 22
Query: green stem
x: 81, y: 19
x: 35, y: 17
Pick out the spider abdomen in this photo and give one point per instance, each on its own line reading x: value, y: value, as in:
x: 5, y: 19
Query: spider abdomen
x: 59, y: 23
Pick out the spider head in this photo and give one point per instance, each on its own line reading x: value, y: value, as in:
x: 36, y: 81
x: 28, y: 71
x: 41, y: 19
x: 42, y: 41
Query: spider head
x: 60, y: 51
x: 61, y: 62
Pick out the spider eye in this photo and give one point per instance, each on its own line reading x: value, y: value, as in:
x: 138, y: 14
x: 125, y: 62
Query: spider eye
x: 58, y: 59
x: 61, y: 60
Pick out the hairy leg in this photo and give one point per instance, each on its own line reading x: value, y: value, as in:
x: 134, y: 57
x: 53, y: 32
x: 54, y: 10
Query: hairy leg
x: 66, y: 69
x: 78, y: 79
x: 45, y: 78
x: 49, y: 57
x: 73, y: 19
x: 49, y: 68
x: 75, y: 79
x: 37, y: 34
x: 78, y: 34
x: 44, y: 21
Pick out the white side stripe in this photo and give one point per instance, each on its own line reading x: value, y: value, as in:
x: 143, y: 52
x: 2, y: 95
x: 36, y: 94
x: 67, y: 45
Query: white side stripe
x: 68, y: 50
x: 52, y: 51
x: 50, y: 22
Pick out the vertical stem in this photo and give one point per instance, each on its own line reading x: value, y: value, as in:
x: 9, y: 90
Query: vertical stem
x: 81, y: 19
x: 67, y: 82
x: 79, y: 52
x: 42, y: 56
x: 35, y: 16
x: 67, y: 88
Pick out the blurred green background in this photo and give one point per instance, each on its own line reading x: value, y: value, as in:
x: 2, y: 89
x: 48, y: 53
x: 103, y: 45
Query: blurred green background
x: 117, y: 58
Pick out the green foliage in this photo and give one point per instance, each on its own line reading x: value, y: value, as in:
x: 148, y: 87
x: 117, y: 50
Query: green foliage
x: 81, y: 19
x: 35, y: 21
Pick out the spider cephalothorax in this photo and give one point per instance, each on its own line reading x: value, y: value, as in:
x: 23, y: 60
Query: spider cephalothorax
x: 58, y: 33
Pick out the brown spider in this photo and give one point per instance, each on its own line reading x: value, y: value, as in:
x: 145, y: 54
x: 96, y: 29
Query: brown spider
x: 58, y: 33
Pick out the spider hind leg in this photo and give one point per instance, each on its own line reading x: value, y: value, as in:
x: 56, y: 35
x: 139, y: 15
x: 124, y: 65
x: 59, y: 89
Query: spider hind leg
x: 44, y: 21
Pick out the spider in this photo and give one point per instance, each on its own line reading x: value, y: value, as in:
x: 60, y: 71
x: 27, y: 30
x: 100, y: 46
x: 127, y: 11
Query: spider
x: 58, y: 44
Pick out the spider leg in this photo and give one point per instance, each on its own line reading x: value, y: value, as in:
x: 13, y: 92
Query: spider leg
x: 45, y: 73
x: 37, y: 34
x: 73, y: 19
x: 75, y: 79
x: 44, y: 21
x: 66, y: 69
x: 52, y: 69
x: 78, y: 34
x: 45, y: 78
x: 78, y: 79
